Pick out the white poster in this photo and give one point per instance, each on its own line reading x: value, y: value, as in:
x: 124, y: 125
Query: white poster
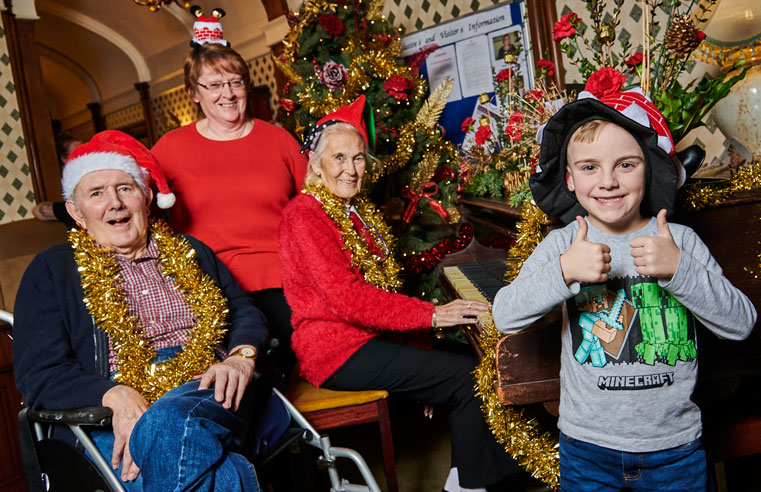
x: 441, y: 64
x: 474, y: 66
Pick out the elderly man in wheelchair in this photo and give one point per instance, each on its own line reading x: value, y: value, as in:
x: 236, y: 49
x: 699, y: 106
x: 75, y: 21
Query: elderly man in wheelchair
x: 147, y: 323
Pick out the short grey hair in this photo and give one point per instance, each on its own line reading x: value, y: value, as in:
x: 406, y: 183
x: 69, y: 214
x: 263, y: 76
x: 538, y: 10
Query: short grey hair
x: 316, y: 154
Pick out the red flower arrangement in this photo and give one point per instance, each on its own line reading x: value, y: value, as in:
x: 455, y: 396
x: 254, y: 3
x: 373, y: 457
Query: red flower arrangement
x: 483, y: 134
x: 467, y: 124
x: 547, y: 67
x: 331, y: 24
x: 605, y: 82
x: 566, y: 27
x: 505, y: 74
x: 634, y: 61
x: 513, y: 128
x: 397, y: 86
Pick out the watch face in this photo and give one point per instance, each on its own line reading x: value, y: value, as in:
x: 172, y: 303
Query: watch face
x: 247, y: 352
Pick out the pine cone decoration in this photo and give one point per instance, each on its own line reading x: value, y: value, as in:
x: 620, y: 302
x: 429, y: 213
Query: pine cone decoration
x: 682, y: 37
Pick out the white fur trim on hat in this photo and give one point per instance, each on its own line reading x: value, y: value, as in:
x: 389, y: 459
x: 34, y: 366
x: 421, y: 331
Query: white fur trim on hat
x: 75, y: 169
x: 165, y: 200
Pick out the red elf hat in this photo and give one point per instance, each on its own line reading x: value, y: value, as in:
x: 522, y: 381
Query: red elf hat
x: 357, y: 114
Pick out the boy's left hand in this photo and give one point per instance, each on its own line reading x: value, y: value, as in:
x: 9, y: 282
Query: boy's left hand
x: 657, y: 256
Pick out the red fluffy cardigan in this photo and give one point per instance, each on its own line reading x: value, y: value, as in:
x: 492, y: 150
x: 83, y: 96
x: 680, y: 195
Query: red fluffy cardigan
x: 335, y: 311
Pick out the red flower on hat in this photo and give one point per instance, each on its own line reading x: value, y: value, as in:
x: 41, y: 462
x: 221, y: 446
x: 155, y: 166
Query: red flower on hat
x: 333, y: 75
x: 467, y: 124
x: 566, y: 26
x: 397, y: 86
x: 287, y: 104
x: 634, y: 61
x: 514, y: 123
x: 331, y: 24
x: 547, y: 67
x: 605, y: 82
x: 505, y: 74
x: 483, y: 134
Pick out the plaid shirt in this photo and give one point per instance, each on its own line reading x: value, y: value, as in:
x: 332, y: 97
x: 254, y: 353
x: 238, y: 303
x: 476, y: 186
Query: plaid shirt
x: 164, y: 315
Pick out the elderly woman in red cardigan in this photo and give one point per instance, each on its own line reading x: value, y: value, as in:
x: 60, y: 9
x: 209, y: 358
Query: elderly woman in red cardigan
x: 339, y: 277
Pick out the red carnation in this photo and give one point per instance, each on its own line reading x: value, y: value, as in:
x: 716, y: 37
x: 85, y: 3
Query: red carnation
x: 483, y: 134
x: 505, y: 74
x: 547, y: 67
x: 700, y: 35
x: 514, y: 123
x: 634, y: 61
x: 572, y: 18
x: 605, y: 82
x: 331, y: 24
x: 467, y: 124
x: 566, y: 26
x: 397, y: 86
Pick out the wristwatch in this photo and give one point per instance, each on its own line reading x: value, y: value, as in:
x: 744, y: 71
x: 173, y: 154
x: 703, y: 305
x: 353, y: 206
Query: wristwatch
x: 246, y: 353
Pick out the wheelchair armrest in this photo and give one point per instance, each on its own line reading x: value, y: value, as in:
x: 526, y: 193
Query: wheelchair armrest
x: 99, y: 416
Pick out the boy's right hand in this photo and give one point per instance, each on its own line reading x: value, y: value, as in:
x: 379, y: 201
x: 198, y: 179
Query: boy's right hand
x: 585, y: 261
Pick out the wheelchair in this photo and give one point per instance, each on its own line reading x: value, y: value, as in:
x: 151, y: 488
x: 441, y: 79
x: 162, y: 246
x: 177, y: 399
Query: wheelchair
x: 55, y: 465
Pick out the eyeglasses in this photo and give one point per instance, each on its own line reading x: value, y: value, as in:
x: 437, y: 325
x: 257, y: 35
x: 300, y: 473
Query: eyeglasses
x: 216, y: 87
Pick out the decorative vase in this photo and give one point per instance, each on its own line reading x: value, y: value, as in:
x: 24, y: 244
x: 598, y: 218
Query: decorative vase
x: 739, y: 114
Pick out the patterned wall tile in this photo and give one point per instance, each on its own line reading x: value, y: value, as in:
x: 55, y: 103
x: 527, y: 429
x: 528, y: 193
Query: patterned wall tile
x: 173, y: 109
x: 82, y: 132
x: 125, y: 116
x: 414, y: 16
x: 16, y: 189
x: 263, y: 73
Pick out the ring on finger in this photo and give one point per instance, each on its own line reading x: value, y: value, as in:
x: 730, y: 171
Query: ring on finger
x: 468, y: 306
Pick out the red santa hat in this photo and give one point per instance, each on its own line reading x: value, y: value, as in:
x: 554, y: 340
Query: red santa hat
x: 207, y: 29
x: 115, y: 150
x: 354, y: 114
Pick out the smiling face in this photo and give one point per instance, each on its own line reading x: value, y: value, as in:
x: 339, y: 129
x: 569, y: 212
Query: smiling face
x: 225, y: 107
x: 114, y: 211
x: 341, y: 164
x: 607, y: 174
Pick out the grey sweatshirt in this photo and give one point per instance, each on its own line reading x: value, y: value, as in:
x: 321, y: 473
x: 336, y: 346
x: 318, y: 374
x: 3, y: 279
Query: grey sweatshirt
x: 629, y: 351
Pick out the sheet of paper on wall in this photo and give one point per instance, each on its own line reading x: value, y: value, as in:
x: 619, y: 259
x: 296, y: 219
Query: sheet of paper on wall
x: 490, y: 110
x: 735, y: 157
x: 474, y: 65
x: 441, y: 64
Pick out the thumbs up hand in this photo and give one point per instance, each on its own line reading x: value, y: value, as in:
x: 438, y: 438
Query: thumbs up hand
x: 657, y: 256
x: 585, y: 261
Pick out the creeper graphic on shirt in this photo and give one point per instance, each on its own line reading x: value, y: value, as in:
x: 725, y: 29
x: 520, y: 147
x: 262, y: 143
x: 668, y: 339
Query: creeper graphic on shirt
x: 663, y: 321
x: 599, y: 319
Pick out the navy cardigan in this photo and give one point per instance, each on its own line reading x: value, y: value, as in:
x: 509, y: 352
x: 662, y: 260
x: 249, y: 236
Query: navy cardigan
x: 60, y: 358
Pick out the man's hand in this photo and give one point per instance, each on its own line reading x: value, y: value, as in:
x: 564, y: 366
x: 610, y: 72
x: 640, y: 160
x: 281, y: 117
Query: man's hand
x: 657, y: 256
x: 585, y: 261
x: 230, y: 379
x: 127, y: 406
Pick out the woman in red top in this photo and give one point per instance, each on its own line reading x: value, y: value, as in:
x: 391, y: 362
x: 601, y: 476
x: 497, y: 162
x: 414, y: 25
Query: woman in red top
x: 233, y: 176
x: 339, y: 277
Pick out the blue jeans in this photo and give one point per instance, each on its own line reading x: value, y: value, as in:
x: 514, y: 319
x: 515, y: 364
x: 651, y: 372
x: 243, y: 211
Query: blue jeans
x: 183, y: 442
x: 586, y: 467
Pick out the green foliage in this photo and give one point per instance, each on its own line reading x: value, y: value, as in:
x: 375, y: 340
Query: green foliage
x: 489, y: 183
x: 685, y: 107
x: 520, y: 195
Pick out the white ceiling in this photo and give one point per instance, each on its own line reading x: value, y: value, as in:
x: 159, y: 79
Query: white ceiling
x: 96, y: 50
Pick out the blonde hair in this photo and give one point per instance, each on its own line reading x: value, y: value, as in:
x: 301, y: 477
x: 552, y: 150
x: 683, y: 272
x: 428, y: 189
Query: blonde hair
x: 588, y: 132
x: 316, y: 154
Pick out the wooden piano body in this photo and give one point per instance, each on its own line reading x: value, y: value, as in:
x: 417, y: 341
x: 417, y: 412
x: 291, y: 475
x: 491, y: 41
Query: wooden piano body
x: 528, y: 363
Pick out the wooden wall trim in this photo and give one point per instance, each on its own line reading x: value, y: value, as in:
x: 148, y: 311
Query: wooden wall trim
x: 144, y: 89
x: 32, y: 99
x: 542, y: 15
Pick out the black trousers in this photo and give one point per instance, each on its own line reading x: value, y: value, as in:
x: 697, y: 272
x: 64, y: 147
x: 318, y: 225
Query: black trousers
x: 278, y: 313
x: 439, y: 378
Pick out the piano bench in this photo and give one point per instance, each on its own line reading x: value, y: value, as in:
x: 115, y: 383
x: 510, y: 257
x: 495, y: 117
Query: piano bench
x: 327, y: 409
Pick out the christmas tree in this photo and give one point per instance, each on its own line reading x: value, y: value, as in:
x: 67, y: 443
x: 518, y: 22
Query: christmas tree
x: 333, y: 53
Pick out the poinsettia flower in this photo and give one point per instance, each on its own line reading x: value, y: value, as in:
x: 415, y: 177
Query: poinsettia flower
x: 605, y: 82
x: 467, y: 124
x: 547, y: 67
x: 483, y: 134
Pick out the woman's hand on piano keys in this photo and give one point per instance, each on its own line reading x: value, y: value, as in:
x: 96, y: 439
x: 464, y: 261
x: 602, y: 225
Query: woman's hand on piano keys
x: 459, y: 312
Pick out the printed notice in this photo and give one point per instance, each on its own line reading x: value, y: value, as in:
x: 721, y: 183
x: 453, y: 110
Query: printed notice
x: 441, y: 64
x: 474, y: 66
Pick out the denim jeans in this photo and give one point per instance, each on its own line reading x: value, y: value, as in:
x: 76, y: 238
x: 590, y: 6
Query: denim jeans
x: 183, y: 442
x: 586, y: 467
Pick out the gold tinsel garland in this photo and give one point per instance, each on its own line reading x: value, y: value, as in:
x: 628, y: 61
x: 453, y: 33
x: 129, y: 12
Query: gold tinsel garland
x: 529, y: 236
x: 380, y: 272
x: 107, y: 304
x: 697, y: 196
x: 534, y: 450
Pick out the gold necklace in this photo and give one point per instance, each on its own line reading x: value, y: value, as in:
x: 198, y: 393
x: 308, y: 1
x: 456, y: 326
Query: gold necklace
x: 106, y: 301
x: 382, y: 272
